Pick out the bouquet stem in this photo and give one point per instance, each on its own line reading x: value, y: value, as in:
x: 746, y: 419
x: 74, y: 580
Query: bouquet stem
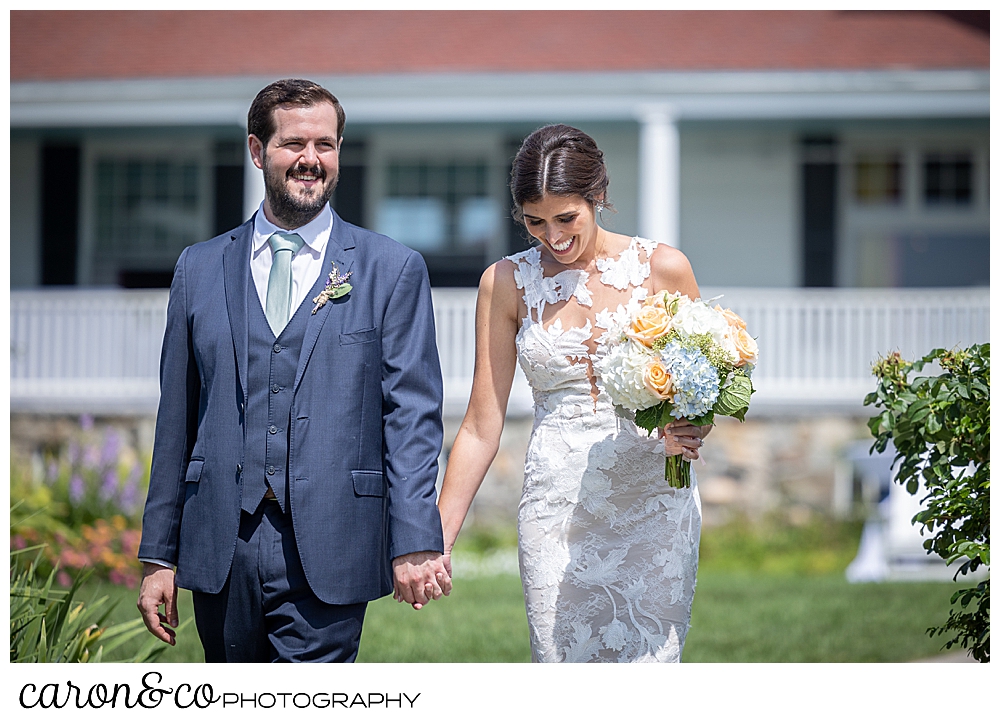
x: 677, y: 472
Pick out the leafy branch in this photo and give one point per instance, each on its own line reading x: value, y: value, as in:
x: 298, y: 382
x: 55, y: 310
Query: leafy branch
x: 940, y: 427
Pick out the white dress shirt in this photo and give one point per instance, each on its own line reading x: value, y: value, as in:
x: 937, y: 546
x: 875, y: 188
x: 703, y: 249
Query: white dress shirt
x: 307, y: 263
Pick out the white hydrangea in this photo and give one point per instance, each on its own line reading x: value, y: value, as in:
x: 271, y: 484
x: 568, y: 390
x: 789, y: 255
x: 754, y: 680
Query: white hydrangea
x: 622, y: 370
x: 697, y: 317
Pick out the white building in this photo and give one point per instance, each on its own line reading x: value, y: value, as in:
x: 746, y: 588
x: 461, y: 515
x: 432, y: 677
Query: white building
x: 781, y: 151
x: 777, y: 149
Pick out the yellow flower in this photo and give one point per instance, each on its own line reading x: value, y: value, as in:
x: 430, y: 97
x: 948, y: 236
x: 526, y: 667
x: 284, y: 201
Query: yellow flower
x: 746, y: 345
x: 658, y: 380
x: 649, y: 324
x: 732, y: 318
x: 667, y: 301
x: 656, y: 300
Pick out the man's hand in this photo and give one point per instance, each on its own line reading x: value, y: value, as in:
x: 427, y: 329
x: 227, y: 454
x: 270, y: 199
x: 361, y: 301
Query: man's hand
x: 158, y: 588
x: 421, y: 577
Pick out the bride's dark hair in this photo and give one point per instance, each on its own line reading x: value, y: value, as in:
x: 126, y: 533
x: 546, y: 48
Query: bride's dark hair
x: 562, y: 161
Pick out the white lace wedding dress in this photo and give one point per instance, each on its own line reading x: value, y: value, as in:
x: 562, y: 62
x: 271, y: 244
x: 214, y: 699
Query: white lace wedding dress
x: 608, y: 551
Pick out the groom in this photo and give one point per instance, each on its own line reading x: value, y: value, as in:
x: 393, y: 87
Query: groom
x: 299, y: 422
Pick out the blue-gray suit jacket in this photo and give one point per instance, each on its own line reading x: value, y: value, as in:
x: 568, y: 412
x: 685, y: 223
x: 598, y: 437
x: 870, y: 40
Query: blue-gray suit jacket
x: 365, y: 429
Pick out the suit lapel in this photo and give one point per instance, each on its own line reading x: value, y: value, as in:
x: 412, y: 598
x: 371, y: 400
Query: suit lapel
x: 236, y: 269
x: 339, y: 251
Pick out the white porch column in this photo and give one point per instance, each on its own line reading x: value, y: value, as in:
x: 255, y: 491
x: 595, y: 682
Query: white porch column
x: 253, y: 185
x: 659, y: 175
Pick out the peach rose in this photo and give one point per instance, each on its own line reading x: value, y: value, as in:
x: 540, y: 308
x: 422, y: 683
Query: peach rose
x: 667, y: 301
x: 658, y: 381
x: 650, y: 324
x: 746, y: 345
x: 656, y: 300
x: 732, y: 318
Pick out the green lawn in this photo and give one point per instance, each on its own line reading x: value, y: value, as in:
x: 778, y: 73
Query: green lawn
x: 737, y: 617
x: 767, y: 592
x: 744, y: 618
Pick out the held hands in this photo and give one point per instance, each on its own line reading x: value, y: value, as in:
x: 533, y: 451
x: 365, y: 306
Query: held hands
x: 682, y: 437
x: 158, y: 588
x: 421, y: 577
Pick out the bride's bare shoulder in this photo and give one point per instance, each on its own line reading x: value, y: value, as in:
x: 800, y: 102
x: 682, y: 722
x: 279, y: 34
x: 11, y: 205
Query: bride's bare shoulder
x: 672, y: 271
x: 498, y: 286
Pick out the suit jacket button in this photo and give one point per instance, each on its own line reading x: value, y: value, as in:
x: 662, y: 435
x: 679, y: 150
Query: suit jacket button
x: 239, y: 469
x: 277, y: 348
x: 272, y: 429
x: 270, y: 469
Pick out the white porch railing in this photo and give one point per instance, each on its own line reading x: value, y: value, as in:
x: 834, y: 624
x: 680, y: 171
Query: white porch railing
x: 97, y: 351
x: 817, y: 346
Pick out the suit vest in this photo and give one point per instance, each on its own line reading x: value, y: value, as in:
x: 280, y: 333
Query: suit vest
x: 271, y: 367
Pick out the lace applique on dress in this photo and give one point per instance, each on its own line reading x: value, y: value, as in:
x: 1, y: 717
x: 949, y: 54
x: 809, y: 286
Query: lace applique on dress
x: 540, y: 290
x: 608, y: 550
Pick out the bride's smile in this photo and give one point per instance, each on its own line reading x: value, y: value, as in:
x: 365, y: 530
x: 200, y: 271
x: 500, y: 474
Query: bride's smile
x: 566, y: 226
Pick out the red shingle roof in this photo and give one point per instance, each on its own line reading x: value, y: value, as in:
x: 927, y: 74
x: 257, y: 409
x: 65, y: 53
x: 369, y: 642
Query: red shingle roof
x: 63, y: 45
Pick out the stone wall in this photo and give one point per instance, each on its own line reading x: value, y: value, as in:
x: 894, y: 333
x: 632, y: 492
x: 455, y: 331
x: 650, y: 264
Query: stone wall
x: 765, y: 465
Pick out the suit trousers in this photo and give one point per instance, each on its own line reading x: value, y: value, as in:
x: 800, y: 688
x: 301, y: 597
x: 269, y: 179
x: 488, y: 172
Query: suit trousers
x: 266, y: 611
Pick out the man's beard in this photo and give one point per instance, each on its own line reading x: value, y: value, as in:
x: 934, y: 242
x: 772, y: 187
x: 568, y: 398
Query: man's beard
x: 291, y: 211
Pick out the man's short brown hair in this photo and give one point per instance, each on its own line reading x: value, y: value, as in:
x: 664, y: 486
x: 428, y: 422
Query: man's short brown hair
x: 288, y: 92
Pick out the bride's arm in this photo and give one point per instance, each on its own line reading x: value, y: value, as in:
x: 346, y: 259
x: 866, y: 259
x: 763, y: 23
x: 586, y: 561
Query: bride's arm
x: 478, y: 437
x: 671, y: 271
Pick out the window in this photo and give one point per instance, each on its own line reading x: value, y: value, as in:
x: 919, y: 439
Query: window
x: 878, y: 178
x: 147, y: 211
x: 948, y: 179
x: 439, y: 208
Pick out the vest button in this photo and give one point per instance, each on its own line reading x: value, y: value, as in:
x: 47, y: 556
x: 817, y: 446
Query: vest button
x: 277, y: 348
x: 270, y: 469
x: 239, y: 469
x: 272, y: 429
x: 275, y: 388
x: 241, y: 407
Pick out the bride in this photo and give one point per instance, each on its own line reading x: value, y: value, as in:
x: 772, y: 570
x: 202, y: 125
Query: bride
x: 608, y: 551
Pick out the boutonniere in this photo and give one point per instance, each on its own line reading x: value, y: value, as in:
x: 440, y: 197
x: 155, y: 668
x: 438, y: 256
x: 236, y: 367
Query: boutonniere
x: 336, y: 286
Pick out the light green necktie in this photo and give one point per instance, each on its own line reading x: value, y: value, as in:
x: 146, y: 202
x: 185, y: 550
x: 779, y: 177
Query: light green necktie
x: 279, y: 283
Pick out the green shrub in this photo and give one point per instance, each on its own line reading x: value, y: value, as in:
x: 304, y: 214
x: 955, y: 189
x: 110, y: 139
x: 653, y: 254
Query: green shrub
x: 48, y: 625
x: 940, y: 426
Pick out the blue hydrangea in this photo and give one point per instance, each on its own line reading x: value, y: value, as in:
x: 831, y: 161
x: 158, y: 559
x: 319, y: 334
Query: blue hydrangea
x: 695, y: 380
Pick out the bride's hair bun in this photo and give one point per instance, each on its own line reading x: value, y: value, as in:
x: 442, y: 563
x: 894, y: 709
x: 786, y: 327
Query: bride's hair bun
x: 561, y: 161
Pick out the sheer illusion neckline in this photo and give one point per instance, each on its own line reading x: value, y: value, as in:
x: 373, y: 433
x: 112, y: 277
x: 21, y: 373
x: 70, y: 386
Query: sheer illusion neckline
x: 566, y: 350
x: 621, y: 272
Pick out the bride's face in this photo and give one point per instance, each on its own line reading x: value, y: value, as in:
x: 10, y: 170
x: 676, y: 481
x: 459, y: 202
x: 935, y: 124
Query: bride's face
x: 566, y: 225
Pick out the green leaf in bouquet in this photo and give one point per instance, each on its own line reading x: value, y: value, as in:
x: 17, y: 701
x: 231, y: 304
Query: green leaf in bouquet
x: 666, y: 414
x: 707, y: 418
x: 647, y: 418
x: 734, y: 397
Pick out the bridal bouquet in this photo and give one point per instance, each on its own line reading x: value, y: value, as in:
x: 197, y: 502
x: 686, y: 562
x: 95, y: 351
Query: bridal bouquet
x: 676, y: 358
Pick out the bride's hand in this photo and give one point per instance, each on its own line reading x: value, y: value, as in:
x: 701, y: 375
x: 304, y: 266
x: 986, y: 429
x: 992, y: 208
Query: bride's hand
x: 682, y: 437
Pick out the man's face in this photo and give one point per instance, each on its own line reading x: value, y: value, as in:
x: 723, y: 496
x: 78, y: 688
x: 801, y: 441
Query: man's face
x: 301, y: 163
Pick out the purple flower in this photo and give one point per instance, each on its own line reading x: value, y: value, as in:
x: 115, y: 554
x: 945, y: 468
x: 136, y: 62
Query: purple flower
x: 52, y: 473
x: 91, y: 457
x: 109, y: 452
x: 73, y: 452
x: 129, y: 496
x: 76, y: 489
x: 110, y: 487
x: 86, y: 421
